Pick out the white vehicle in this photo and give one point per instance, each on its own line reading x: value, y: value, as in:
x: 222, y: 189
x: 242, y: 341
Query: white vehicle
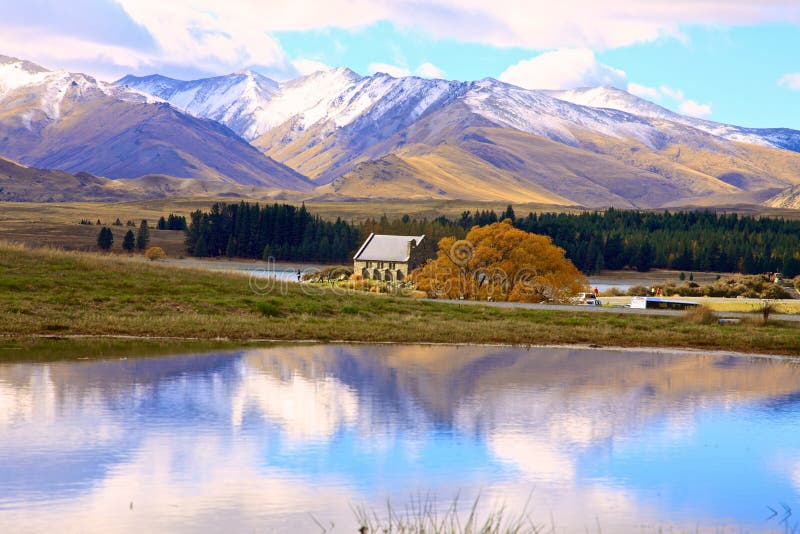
x: 587, y: 299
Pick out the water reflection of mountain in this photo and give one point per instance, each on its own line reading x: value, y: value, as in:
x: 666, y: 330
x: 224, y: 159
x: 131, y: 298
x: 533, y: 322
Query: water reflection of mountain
x: 65, y: 424
x: 454, y: 386
x: 365, y: 418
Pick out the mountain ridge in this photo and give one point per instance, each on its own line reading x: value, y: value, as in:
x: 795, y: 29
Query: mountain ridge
x: 72, y: 122
x: 335, y: 132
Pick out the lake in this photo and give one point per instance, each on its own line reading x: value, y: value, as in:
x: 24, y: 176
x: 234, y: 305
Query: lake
x: 282, y: 438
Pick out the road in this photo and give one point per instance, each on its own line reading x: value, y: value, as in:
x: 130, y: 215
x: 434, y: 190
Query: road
x: 607, y: 309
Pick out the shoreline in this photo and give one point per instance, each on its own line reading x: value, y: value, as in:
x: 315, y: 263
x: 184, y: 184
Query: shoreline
x: 254, y: 342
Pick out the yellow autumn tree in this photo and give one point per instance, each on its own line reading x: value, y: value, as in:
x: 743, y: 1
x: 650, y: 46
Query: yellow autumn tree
x: 500, y: 262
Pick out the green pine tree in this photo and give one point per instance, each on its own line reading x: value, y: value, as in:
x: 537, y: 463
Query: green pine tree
x: 201, y: 247
x: 129, y: 242
x: 105, y: 239
x: 143, y: 236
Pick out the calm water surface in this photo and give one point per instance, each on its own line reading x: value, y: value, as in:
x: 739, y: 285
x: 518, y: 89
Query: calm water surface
x: 263, y: 439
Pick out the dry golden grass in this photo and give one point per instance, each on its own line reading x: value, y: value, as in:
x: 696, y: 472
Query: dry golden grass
x: 700, y: 315
x: 719, y: 304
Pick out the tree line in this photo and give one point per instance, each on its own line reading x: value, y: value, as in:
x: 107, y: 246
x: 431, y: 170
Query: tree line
x: 139, y: 241
x: 611, y: 239
x: 173, y: 222
x: 281, y: 231
x: 684, y: 241
x: 288, y: 233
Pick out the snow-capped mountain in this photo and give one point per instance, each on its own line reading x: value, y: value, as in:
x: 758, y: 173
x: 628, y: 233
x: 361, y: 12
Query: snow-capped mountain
x: 612, y: 98
x: 236, y: 100
x: 23, y: 80
x: 252, y: 105
x: 72, y: 122
x: 367, y: 110
x: 379, y: 136
x: 390, y: 136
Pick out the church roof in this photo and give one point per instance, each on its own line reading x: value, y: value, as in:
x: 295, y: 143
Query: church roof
x: 387, y: 247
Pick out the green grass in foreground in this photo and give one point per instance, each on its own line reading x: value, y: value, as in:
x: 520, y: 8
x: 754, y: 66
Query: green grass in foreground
x: 50, y: 292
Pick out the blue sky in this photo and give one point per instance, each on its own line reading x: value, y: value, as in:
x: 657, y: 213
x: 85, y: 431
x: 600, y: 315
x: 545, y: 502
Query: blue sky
x: 729, y: 62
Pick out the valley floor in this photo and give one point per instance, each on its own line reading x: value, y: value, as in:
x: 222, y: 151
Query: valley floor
x: 45, y: 292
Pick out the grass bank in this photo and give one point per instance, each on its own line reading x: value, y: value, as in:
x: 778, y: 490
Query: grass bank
x: 51, y: 292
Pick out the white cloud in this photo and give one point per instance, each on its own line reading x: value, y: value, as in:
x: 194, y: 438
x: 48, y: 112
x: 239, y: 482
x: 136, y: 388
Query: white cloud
x: 683, y: 104
x: 790, y: 81
x: 196, y: 31
x: 391, y: 70
x: 429, y: 70
x: 675, y: 94
x: 309, y: 66
x: 563, y: 69
x: 539, y: 24
x: 694, y: 109
x: 215, y: 36
x: 536, y: 458
x: 643, y: 91
x: 57, y: 52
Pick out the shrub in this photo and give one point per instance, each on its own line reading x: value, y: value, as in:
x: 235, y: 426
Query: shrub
x: 269, y: 309
x: 612, y: 292
x: 637, y: 291
x: 776, y: 292
x: 669, y: 289
x: 155, y: 253
x: 700, y: 315
x: 689, y: 289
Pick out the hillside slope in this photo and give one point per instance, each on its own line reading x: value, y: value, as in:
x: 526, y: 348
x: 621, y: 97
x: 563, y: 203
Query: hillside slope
x: 19, y: 183
x: 72, y: 122
x: 383, y: 137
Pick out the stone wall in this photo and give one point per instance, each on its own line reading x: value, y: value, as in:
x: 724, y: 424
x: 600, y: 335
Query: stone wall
x: 389, y: 271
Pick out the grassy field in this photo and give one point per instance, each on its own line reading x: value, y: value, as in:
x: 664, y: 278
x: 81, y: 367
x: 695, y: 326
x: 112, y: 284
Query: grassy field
x: 57, y: 224
x: 51, y: 292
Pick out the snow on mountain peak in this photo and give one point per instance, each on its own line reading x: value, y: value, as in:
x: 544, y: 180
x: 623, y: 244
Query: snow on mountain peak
x: 22, y: 79
x: 15, y: 73
x: 613, y: 98
x: 251, y: 105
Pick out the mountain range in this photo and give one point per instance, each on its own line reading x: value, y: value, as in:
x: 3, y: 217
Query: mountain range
x: 337, y: 135
x: 72, y: 122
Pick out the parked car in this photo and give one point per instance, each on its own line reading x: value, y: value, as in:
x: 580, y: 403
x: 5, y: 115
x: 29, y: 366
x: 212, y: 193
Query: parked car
x: 587, y: 299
